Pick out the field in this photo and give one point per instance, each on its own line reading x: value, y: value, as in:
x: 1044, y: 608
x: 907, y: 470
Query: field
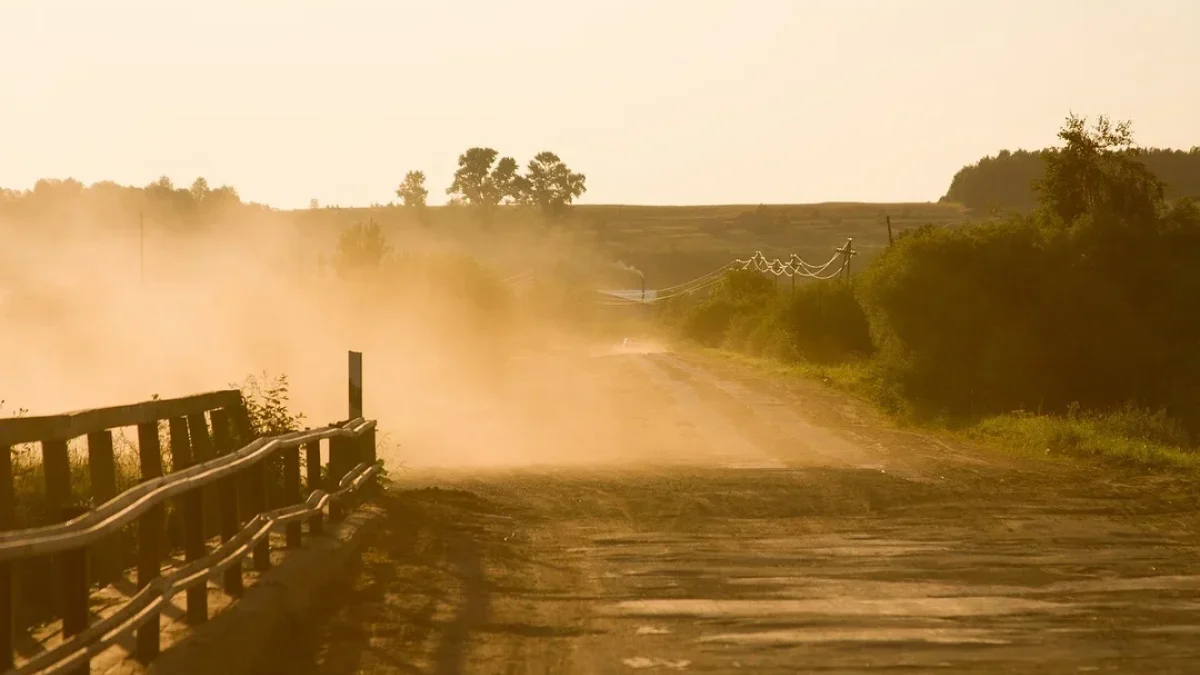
x: 671, y: 244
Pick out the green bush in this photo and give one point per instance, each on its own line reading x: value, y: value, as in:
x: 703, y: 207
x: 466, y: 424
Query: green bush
x: 1028, y: 314
x: 1091, y: 303
x: 955, y: 314
x: 818, y: 321
x: 739, y: 297
x: 822, y: 322
x: 709, y: 322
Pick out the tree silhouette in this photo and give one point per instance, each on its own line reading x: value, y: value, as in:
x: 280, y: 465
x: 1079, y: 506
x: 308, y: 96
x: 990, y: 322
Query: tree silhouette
x: 482, y: 187
x: 412, y: 191
x: 1097, y: 171
x: 551, y: 186
x: 361, y: 248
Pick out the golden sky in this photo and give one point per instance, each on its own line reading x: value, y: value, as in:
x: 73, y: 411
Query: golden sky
x: 657, y: 101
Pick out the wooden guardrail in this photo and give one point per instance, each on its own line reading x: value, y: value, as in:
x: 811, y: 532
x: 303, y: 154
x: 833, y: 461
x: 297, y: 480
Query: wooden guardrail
x: 223, y: 482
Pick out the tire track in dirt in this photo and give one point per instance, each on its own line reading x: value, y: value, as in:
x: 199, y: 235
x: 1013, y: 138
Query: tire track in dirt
x: 724, y: 443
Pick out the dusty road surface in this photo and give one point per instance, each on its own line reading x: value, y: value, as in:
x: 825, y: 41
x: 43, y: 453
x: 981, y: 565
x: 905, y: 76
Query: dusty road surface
x: 710, y: 520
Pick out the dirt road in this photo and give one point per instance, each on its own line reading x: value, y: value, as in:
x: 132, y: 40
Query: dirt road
x: 743, y: 524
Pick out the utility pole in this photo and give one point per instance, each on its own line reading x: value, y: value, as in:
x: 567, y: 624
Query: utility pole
x: 847, y: 251
x: 849, y: 255
x: 356, y: 385
x: 889, y: 226
x: 141, y: 249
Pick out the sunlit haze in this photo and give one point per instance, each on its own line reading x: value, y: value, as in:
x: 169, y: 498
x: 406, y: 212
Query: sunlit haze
x: 663, y: 102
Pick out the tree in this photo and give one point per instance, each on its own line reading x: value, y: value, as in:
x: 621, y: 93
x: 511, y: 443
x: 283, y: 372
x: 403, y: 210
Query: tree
x: 223, y: 197
x: 1097, y: 172
x: 511, y: 185
x: 551, y: 186
x: 412, y: 191
x: 483, y: 187
x: 199, y: 190
x: 360, y: 248
x: 162, y: 188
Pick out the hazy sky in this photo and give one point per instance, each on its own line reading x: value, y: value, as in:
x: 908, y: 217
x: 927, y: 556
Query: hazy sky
x: 657, y: 101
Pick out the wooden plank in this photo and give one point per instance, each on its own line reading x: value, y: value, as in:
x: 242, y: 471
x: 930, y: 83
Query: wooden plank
x: 191, y: 513
x: 356, y: 385
x: 181, y: 443
x: 228, y: 490
x: 202, y: 451
x: 70, y: 425
x: 180, y: 446
x: 339, y: 455
x: 256, y: 477
x: 7, y: 522
x: 291, y: 491
x: 73, y: 590
x: 239, y: 420
x: 102, y: 467
x: 106, y: 561
x: 8, y: 503
x: 312, y: 461
x: 56, y: 470
x: 151, y: 530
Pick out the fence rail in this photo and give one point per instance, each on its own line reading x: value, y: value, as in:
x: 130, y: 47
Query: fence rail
x: 221, y: 481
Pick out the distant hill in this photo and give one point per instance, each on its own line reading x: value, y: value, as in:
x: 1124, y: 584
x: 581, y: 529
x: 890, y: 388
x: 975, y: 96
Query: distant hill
x: 1005, y: 181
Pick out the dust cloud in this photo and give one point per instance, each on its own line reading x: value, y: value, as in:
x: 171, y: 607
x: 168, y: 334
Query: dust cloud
x: 458, y: 368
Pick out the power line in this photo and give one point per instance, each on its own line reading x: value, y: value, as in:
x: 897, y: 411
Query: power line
x: 793, y: 267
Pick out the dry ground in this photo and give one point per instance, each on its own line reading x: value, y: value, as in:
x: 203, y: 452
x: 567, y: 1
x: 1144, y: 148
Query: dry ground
x: 715, y: 521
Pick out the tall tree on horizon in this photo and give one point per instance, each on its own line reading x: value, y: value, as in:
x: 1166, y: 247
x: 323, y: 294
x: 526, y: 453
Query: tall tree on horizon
x: 412, y: 190
x: 482, y: 183
x: 1097, y: 171
x: 551, y: 186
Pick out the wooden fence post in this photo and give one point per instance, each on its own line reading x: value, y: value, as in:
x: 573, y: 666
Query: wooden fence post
x: 56, y: 472
x: 254, y: 482
x: 180, y: 447
x: 7, y: 522
x: 223, y: 444
x: 56, y: 468
x: 337, y: 469
x: 257, y: 492
x: 191, y: 519
x: 312, y: 461
x: 356, y: 385
x: 291, y: 491
x: 73, y: 589
x: 151, y: 528
x: 368, y: 453
x: 102, y: 471
x: 202, y: 451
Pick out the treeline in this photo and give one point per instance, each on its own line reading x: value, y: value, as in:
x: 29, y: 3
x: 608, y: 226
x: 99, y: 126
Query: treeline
x: 1006, y: 181
x: 482, y: 183
x: 57, y: 202
x: 1091, y: 302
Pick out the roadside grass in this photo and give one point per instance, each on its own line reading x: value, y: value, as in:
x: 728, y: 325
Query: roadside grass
x: 1129, y: 437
